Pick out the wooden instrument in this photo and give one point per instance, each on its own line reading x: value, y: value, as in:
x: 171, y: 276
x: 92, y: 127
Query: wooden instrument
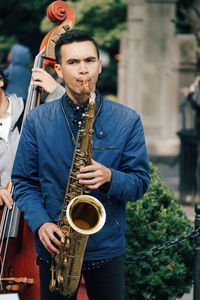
x: 17, y: 256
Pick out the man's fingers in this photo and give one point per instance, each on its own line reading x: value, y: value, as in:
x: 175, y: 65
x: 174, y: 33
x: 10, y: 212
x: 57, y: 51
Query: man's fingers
x: 89, y: 168
x: 47, y: 234
x: 88, y: 175
x: 37, y: 83
x: 95, y: 175
x: 92, y: 181
x: 6, y: 198
x: 39, y: 71
x: 91, y: 184
x: 47, y: 244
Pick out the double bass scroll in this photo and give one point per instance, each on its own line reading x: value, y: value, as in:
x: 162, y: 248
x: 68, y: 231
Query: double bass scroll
x: 58, y: 11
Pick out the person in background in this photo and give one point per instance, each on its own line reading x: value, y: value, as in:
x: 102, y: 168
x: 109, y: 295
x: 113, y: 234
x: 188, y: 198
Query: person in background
x: 192, y: 96
x: 11, y: 110
x: 18, y: 71
x: 11, y: 114
x: 119, y: 168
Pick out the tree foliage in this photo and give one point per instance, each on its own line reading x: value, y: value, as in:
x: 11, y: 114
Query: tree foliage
x: 152, y: 221
x: 104, y: 19
x: 188, y: 17
x: 106, y: 22
x: 20, y: 21
x: 24, y: 22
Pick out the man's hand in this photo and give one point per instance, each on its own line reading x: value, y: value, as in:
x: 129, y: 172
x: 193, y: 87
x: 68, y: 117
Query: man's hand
x: 94, y: 176
x: 5, y: 197
x: 44, y: 80
x: 188, y: 90
x: 47, y: 234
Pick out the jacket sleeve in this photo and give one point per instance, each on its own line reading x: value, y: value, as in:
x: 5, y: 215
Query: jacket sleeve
x: 25, y: 178
x: 130, y: 181
x: 57, y: 93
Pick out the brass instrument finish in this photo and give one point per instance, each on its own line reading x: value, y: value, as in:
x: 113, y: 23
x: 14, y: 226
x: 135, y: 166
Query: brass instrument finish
x: 81, y: 215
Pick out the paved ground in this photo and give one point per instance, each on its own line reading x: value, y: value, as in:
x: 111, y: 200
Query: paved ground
x: 170, y: 175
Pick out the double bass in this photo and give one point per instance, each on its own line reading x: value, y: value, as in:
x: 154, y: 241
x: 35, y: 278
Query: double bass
x: 18, y: 269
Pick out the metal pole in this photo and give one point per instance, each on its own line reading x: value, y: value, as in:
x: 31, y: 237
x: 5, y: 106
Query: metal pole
x: 196, y: 295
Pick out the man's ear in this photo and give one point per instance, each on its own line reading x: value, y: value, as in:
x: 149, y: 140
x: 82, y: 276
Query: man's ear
x: 58, y: 70
x: 100, y: 66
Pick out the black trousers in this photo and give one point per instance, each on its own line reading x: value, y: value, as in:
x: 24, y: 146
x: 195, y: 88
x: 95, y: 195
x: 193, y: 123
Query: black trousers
x: 105, y: 283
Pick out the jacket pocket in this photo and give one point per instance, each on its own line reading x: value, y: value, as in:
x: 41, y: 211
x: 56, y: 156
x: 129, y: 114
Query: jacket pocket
x: 104, y: 147
x: 108, y: 156
x: 112, y: 223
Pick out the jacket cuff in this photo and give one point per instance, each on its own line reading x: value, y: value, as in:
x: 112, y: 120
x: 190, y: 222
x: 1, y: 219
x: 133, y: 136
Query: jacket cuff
x: 117, y: 185
x: 38, y: 224
x: 57, y: 93
x: 106, y: 186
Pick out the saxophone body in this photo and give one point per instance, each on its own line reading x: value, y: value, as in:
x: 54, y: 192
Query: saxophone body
x: 81, y: 215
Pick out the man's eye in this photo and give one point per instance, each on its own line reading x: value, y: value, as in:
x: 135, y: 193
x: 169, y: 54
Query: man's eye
x: 90, y: 60
x: 72, y: 62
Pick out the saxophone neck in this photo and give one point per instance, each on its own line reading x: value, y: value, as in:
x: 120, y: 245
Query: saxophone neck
x: 90, y: 110
x: 92, y: 98
x: 90, y: 91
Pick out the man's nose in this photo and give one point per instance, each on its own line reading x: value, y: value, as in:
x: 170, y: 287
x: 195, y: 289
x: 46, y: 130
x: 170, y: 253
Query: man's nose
x: 83, y: 68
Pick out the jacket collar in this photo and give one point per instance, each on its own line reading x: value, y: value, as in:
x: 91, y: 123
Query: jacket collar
x: 67, y: 111
x: 66, y: 106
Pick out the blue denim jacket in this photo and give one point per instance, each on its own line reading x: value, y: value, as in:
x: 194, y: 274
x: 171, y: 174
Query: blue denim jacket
x: 43, y: 161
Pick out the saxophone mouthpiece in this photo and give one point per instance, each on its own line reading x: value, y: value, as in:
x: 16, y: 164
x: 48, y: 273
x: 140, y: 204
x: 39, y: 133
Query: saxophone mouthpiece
x: 86, y: 87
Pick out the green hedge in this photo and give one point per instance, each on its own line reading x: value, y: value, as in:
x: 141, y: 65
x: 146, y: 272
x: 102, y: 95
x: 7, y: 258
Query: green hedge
x: 152, y: 221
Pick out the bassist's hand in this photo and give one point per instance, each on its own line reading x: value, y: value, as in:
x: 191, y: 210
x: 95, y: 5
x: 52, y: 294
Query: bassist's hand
x: 44, y: 80
x: 5, y: 197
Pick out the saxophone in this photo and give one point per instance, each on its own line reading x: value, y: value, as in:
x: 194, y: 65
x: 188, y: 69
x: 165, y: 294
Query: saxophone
x: 81, y: 214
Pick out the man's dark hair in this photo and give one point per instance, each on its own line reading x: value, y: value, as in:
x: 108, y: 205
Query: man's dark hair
x: 4, y: 78
x: 72, y: 36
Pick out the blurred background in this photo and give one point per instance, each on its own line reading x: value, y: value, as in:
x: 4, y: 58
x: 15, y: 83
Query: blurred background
x: 150, y: 52
x: 151, y: 55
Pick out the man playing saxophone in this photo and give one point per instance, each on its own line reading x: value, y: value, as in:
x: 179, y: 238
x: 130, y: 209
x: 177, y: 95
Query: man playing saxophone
x: 118, y: 172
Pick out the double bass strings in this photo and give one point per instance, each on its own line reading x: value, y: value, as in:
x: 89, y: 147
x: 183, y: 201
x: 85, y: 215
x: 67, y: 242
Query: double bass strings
x: 5, y: 230
x: 31, y: 101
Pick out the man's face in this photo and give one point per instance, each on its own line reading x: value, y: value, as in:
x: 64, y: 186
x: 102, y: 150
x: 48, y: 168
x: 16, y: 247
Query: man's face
x: 79, y: 62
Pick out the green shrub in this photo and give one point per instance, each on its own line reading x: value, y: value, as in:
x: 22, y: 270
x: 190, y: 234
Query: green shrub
x: 152, y: 221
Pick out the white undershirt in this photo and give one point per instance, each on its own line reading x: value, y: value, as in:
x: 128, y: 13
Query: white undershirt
x: 5, y: 123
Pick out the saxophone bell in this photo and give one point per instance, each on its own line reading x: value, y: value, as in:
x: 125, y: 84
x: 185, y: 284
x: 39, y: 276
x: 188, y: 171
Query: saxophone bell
x: 86, y: 214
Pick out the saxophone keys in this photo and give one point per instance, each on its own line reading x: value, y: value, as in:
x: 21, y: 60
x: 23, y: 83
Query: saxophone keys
x: 79, y: 163
x: 56, y: 259
x: 82, y: 154
x: 52, y: 284
x: 60, y: 280
x: 65, y: 230
x: 65, y: 261
x: 83, y: 133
